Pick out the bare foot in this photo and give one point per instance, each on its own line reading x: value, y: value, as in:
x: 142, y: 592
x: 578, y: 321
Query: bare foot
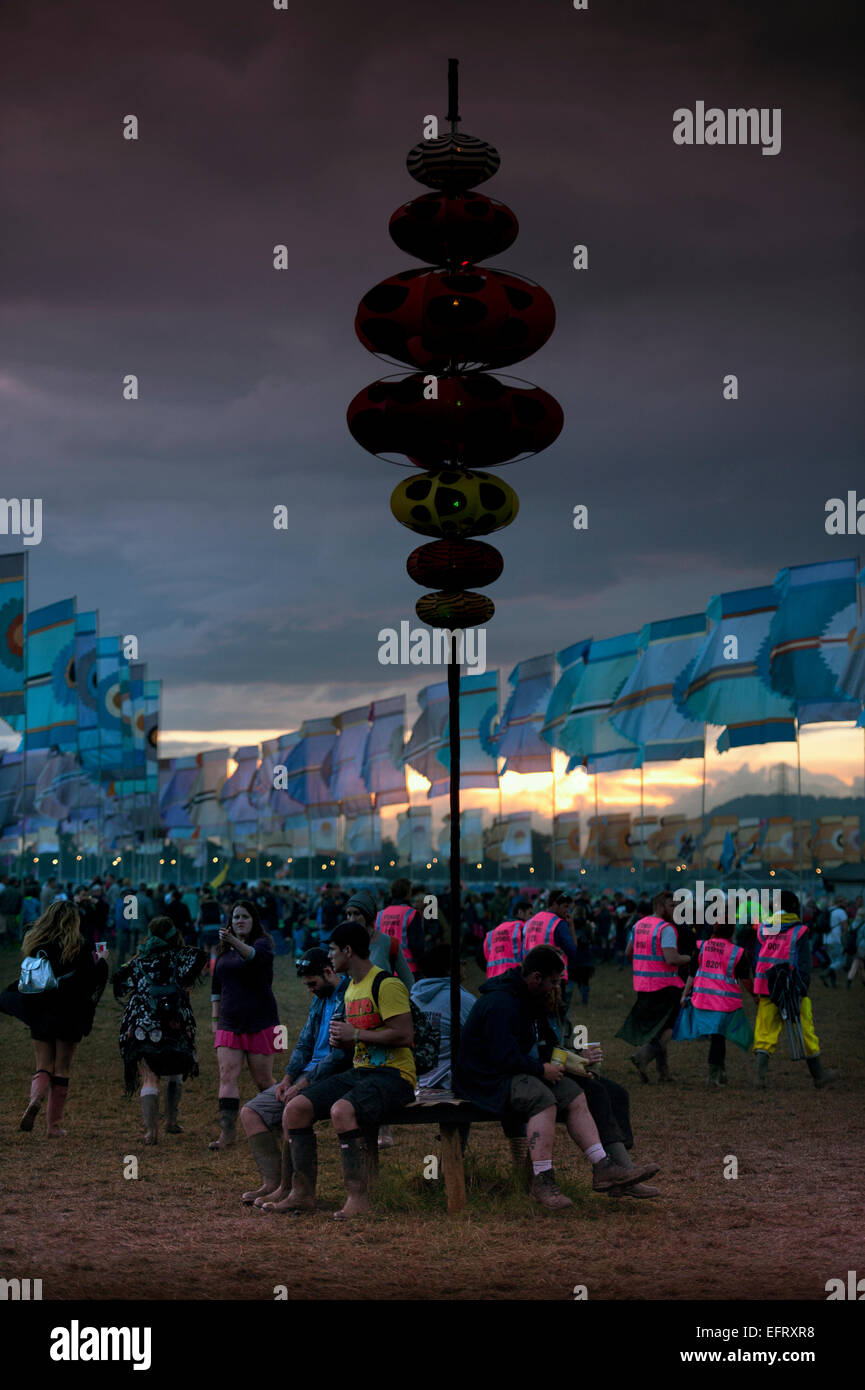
x: 56, y: 1133
x: 290, y: 1203
x: 357, y: 1204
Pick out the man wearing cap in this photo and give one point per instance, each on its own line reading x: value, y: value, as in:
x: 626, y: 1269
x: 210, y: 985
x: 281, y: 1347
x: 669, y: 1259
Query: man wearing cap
x: 311, y: 1059
x: 384, y: 950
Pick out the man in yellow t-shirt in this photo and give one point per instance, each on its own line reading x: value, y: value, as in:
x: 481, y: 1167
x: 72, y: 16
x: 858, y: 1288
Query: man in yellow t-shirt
x: 378, y: 1028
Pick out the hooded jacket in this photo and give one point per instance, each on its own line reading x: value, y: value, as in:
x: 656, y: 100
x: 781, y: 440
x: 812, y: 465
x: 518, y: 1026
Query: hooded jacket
x: 500, y: 1035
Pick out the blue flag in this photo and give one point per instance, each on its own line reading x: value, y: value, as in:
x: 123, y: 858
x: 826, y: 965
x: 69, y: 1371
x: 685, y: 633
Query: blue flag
x: 645, y: 711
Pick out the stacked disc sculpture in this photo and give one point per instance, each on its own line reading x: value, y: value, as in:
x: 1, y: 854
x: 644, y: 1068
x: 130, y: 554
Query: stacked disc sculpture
x: 450, y: 419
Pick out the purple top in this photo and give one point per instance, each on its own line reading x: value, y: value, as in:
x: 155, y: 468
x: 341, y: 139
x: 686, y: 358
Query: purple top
x: 246, y: 1002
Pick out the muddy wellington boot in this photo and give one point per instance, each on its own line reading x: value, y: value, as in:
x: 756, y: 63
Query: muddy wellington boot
x: 822, y: 1077
x: 303, y: 1158
x: 228, y: 1111
x: 641, y: 1059
x: 39, y: 1088
x: 173, y: 1092
x: 761, y: 1070
x: 56, y: 1104
x: 716, y: 1075
x: 286, y: 1174
x: 352, y: 1151
x: 150, y: 1114
x: 265, y: 1150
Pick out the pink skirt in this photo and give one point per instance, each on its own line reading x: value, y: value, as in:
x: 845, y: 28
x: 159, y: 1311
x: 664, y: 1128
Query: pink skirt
x: 262, y: 1043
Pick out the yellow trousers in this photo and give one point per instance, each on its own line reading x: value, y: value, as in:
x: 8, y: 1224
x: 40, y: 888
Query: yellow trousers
x: 767, y: 1029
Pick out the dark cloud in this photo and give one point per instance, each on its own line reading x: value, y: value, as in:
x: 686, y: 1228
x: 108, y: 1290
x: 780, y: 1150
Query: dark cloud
x: 260, y: 127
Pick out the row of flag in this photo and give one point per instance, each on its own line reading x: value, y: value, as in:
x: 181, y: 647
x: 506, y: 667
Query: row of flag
x: 88, y: 717
x: 758, y: 663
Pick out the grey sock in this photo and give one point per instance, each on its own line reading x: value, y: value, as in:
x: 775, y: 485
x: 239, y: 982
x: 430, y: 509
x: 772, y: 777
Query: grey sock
x: 619, y: 1154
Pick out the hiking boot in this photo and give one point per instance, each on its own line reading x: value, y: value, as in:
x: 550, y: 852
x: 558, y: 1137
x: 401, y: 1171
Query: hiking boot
x: 543, y: 1189
x: 821, y: 1078
x: 761, y: 1070
x: 608, y: 1174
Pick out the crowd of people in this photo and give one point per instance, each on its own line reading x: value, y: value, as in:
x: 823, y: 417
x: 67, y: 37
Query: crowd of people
x: 377, y: 1031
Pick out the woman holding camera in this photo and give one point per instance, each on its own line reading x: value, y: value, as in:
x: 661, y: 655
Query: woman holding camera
x: 58, y: 1016
x: 245, y: 1017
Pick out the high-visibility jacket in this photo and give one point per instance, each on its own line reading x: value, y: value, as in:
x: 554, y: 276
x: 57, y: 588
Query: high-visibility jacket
x: 775, y: 948
x: 651, y: 971
x: 540, y: 931
x: 715, y: 985
x: 392, y: 921
x: 503, y: 948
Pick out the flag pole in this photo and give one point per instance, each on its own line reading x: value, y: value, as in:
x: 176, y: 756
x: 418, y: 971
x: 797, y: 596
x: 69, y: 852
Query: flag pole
x: 553, y: 827
x: 597, y: 835
x: 499, y: 779
x: 642, y: 834
x: 25, y: 623
x: 799, y: 797
x: 703, y: 810
x: 454, y: 799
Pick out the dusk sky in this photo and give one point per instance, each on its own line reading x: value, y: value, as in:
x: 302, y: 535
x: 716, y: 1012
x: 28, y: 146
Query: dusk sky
x: 260, y: 126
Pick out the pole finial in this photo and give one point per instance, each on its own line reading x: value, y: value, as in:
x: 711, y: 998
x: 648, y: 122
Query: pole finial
x: 453, y: 114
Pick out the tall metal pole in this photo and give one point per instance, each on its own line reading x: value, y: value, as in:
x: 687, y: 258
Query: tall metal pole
x: 799, y: 798
x: 454, y: 798
x: 553, y: 827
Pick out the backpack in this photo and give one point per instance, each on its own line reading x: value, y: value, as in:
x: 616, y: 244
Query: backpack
x: 427, y: 1037
x: 37, y: 975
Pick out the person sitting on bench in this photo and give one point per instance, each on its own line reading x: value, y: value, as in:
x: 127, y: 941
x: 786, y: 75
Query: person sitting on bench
x: 498, y: 1068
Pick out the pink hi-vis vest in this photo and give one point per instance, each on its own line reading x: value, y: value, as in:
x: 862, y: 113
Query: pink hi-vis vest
x: 651, y: 971
x: 715, y: 985
x: 503, y: 948
x: 776, y: 948
x: 392, y: 922
x: 538, y: 931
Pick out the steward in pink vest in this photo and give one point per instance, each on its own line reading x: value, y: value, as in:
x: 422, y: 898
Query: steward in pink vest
x: 393, y: 921
x: 540, y: 931
x: 503, y: 948
x: 651, y: 970
x: 776, y: 947
x: 658, y: 948
x: 712, y: 1001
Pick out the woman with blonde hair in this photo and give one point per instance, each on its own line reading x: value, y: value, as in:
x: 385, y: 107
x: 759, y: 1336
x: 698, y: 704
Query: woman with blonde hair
x: 59, y: 1007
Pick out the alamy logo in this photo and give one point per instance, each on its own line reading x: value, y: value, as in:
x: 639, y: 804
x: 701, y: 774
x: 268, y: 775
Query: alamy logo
x: 76, y: 1343
x: 19, y: 1290
x: 21, y: 516
x: 736, y: 126
x: 420, y: 647
x: 715, y: 907
x: 855, y: 1289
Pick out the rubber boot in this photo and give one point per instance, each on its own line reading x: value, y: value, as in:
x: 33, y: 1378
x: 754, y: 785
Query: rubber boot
x: 663, y: 1065
x: 150, y: 1116
x: 228, y: 1109
x: 303, y: 1149
x: 352, y: 1151
x: 821, y: 1078
x: 519, y: 1148
x: 56, y: 1104
x: 544, y: 1190
x: 641, y: 1059
x: 265, y: 1150
x: 173, y: 1092
x: 286, y: 1174
x: 761, y: 1070
x: 39, y: 1088
x: 715, y: 1075
x: 584, y: 994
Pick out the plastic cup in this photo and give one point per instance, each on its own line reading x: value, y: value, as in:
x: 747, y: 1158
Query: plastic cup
x: 560, y: 1055
x: 102, y: 948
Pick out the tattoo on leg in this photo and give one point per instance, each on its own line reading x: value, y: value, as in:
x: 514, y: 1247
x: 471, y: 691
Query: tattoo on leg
x: 534, y: 1140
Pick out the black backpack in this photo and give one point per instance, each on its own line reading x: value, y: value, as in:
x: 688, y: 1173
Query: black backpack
x: 427, y: 1032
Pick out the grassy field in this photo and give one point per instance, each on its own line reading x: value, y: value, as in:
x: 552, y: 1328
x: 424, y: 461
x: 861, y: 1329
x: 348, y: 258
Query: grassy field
x: 791, y: 1219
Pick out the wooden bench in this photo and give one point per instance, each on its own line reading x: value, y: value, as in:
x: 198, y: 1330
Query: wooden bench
x: 450, y: 1115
